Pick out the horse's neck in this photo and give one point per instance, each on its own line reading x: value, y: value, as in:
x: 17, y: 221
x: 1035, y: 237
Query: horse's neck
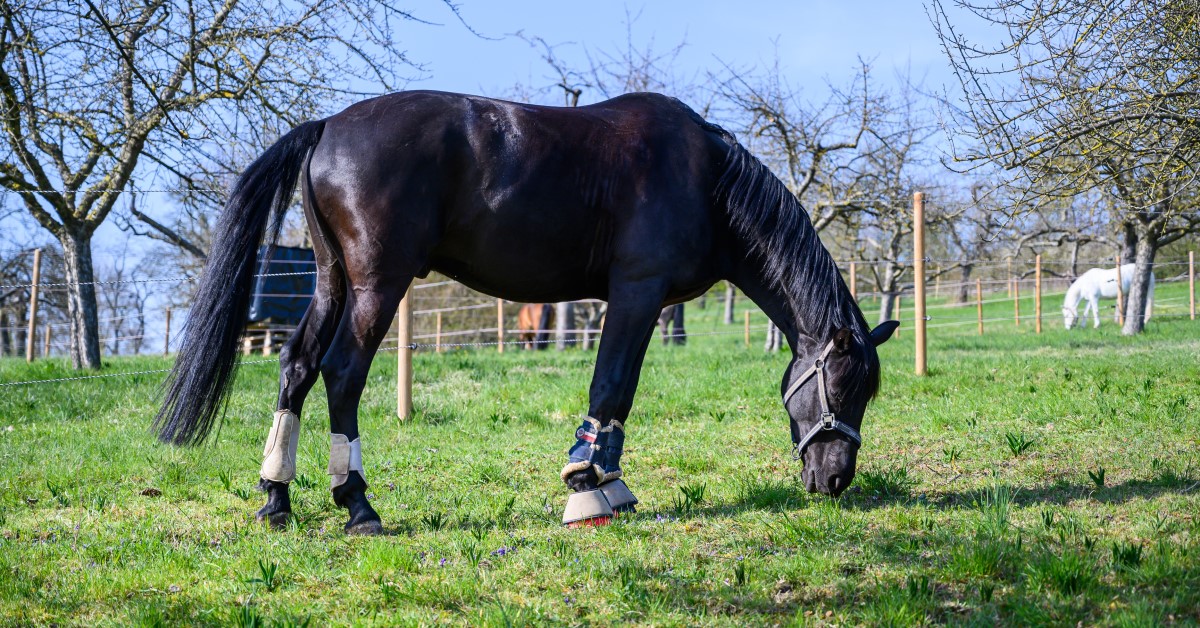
x: 1072, y: 299
x: 779, y: 307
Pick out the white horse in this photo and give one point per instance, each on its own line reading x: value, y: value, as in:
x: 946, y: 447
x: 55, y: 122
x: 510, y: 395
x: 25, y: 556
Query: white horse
x: 1096, y: 283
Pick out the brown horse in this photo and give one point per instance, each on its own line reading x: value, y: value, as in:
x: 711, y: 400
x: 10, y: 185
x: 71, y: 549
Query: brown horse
x: 534, y: 321
x: 637, y: 201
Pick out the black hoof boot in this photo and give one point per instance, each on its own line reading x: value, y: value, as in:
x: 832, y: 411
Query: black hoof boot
x: 278, y: 508
x: 352, y: 495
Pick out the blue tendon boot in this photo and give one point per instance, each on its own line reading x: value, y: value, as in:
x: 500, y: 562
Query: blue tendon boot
x: 615, y: 491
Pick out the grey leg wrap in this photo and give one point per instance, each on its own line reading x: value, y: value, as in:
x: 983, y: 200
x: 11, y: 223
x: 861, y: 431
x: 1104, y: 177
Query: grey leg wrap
x: 588, y: 451
x: 614, y: 443
x: 344, y: 456
x: 279, y: 455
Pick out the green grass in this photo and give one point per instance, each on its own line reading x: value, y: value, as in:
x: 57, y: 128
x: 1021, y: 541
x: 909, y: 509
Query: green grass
x: 100, y: 525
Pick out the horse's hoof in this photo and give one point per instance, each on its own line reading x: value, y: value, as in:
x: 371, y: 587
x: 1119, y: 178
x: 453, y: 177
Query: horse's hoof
x: 277, y: 520
x: 366, y: 528
x: 587, y: 509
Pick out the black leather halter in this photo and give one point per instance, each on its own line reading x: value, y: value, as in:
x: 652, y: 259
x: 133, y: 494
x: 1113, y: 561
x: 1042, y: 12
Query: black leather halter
x: 828, y: 421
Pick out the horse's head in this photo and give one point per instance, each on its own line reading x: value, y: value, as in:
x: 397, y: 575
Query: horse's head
x: 1070, y: 317
x: 825, y: 391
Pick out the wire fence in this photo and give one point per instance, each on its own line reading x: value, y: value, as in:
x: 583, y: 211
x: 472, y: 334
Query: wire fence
x: 452, y: 317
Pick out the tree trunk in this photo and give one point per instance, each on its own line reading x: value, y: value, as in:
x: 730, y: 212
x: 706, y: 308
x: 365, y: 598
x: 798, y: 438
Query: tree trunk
x: 887, y: 288
x: 1139, y: 287
x: 81, y: 298
x: 730, y: 295
x: 1129, y: 241
x: 774, y: 339
x: 887, y: 305
x: 5, y: 334
x: 564, y: 323
x: 964, y: 283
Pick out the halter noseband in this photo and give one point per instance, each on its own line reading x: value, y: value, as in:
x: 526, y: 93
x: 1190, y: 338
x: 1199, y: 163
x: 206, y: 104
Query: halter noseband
x: 828, y: 421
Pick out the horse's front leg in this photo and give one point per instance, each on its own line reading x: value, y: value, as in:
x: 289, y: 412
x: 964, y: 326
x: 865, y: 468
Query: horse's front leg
x: 595, y: 459
x: 1095, y: 305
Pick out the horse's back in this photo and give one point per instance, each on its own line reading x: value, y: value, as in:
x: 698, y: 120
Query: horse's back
x: 530, y: 201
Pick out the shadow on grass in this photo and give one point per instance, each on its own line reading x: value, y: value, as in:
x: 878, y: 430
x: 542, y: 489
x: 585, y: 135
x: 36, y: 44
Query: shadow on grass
x: 778, y: 496
x: 1062, y: 493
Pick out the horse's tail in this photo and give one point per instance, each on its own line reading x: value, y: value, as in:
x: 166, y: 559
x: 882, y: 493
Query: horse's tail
x: 204, y: 368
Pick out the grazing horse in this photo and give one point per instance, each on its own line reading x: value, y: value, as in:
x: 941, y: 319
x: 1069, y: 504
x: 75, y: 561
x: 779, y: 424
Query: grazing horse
x: 1097, y: 283
x: 534, y: 321
x: 636, y: 200
x: 672, y: 317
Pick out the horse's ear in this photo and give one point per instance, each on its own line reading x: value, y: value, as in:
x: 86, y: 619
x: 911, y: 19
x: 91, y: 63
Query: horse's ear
x: 880, y: 334
x: 841, y: 340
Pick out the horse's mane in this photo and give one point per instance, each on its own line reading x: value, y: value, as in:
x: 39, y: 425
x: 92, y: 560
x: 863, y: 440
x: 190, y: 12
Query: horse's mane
x: 778, y: 232
x: 777, y: 229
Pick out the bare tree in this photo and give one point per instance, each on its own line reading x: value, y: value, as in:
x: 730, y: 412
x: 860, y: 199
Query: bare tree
x: 892, y: 163
x: 1083, y: 95
x: 814, y: 147
x: 92, y: 94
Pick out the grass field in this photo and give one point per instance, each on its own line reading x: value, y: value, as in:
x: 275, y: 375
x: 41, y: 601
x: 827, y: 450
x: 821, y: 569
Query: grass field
x: 1032, y: 480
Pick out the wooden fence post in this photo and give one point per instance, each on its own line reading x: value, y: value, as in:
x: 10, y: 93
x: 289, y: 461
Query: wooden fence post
x: 404, y: 356
x: 437, y: 334
x: 1120, y: 295
x: 979, y: 303
x: 921, y: 365
x: 1016, y: 297
x: 896, y: 309
x: 33, y: 304
x: 46, y: 341
x: 1037, y: 297
x: 167, y: 335
x: 1192, y: 282
x: 268, y: 341
x: 853, y: 282
x: 500, y: 325
x: 747, y: 318
x: 937, y: 282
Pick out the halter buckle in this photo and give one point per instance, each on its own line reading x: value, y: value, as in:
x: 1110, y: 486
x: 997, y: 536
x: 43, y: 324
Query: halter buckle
x: 827, y: 421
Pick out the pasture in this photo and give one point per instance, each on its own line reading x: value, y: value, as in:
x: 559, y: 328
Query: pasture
x: 1030, y: 480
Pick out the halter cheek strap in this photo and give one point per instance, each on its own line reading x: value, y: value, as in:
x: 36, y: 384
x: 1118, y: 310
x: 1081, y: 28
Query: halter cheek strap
x: 828, y: 421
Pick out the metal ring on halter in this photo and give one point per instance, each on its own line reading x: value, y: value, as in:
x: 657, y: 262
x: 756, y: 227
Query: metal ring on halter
x: 828, y: 421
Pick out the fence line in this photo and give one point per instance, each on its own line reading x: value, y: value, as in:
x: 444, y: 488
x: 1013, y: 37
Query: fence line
x: 994, y: 286
x: 153, y: 280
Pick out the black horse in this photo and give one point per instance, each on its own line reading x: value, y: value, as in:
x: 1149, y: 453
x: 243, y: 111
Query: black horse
x: 670, y: 324
x: 636, y: 200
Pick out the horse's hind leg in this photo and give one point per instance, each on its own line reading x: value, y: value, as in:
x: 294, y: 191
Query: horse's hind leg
x: 363, y: 326
x: 299, y: 363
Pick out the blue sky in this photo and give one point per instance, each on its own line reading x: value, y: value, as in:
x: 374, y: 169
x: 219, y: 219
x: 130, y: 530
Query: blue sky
x: 815, y: 39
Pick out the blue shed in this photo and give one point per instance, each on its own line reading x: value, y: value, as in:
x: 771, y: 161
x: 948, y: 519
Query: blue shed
x: 282, y: 300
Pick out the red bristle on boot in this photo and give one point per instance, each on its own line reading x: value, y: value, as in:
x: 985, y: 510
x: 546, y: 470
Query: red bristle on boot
x: 595, y: 522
